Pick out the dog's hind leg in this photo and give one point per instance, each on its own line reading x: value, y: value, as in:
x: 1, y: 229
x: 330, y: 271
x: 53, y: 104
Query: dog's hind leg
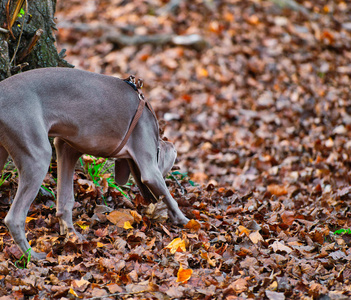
x: 66, y: 160
x: 32, y: 162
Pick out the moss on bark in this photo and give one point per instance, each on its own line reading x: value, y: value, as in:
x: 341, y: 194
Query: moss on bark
x: 33, y: 43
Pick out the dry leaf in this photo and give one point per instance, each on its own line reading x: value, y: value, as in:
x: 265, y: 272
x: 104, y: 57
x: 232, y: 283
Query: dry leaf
x: 277, y: 190
x: 278, y: 246
x: 127, y: 225
x: 184, y: 275
x: 176, y: 245
x: 205, y: 256
x: 193, y: 225
x: 119, y: 217
x: 137, y: 217
x: 243, y: 231
x: 239, y: 285
x: 255, y: 237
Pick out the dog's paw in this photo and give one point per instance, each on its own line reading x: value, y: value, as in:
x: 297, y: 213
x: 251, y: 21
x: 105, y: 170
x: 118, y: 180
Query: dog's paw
x: 179, y: 219
x: 36, y: 256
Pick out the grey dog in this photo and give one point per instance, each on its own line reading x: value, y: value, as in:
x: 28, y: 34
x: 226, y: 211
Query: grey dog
x: 86, y: 113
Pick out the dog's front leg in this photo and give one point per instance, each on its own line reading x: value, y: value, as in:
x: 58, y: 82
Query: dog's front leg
x: 66, y: 160
x: 152, y: 178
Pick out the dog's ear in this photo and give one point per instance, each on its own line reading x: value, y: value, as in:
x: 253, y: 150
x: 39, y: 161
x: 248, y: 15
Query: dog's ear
x: 122, y: 171
x: 167, y: 156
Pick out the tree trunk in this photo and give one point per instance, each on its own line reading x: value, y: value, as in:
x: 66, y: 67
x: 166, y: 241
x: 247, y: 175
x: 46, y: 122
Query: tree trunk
x: 26, y: 36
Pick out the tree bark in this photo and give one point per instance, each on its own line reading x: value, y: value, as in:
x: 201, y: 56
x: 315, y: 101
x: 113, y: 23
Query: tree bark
x: 29, y: 43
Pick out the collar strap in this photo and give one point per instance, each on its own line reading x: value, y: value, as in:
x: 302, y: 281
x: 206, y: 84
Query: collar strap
x: 131, y: 81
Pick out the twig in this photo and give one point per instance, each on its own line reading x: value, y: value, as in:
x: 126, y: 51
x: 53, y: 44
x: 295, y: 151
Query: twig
x: 3, y: 30
x: 120, y: 294
x: 19, y: 39
x: 32, y: 43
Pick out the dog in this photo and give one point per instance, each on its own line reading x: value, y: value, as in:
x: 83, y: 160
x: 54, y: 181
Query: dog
x: 86, y: 113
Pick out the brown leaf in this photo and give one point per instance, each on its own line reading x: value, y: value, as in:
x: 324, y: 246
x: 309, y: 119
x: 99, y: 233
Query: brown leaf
x: 239, y: 285
x: 193, y: 225
x: 274, y: 295
x: 137, y: 217
x: 255, y: 237
x: 278, y: 246
x: 277, y: 190
x: 114, y: 288
x: 288, y: 217
x: 119, y: 217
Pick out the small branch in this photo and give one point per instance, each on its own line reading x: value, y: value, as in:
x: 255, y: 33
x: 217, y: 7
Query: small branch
x: 31, y: 45
x: 291, y: 4
x: 193, y: 40
x: 121, y: 294
x: 8, y: 18
x: 20, y: 36
x: 137, y: 40
x: 17, y: 68
x: 3, y: 30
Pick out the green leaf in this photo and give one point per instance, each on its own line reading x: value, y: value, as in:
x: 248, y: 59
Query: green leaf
x: 343, y: 231
x: 21, y: 13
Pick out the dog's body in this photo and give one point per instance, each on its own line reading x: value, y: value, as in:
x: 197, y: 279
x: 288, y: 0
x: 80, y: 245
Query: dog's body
x: 86, y: 113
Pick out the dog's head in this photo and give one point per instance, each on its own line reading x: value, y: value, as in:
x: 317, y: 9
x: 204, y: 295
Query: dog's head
x: 167, y: 155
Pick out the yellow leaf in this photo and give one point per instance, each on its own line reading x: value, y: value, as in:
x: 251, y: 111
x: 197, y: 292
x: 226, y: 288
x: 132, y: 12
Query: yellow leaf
x: 177, y: 245
x: 71, y: 291
x: 243, y: 230
x: 184, y: 275
x: 127, y: 225
x: 99, y: 245
x: 28, y: 219
x: 82, y: 225
x: 201, y: 72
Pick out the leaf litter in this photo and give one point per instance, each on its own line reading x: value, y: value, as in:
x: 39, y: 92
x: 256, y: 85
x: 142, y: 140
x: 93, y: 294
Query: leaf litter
x: 260, y: 116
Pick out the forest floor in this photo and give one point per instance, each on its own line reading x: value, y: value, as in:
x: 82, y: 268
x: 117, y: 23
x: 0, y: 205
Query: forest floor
x: 256, y: 98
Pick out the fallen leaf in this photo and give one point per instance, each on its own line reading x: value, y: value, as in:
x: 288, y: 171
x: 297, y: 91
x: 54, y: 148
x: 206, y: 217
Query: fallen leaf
x: 205, y: 256
x: 119, y: 217
x: 274, y: 295
x: 127, y: 225
x: 288, y: 217
x: 243, y: 231
x: 255, y: 237
x: 238, y: 286
x: 137, y: 217
x: 184, y: 275
x: 176, y: 245
x: 277, y: 190
x: 278, y: 246
x: 71, y: 291
x: 193, y: 225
